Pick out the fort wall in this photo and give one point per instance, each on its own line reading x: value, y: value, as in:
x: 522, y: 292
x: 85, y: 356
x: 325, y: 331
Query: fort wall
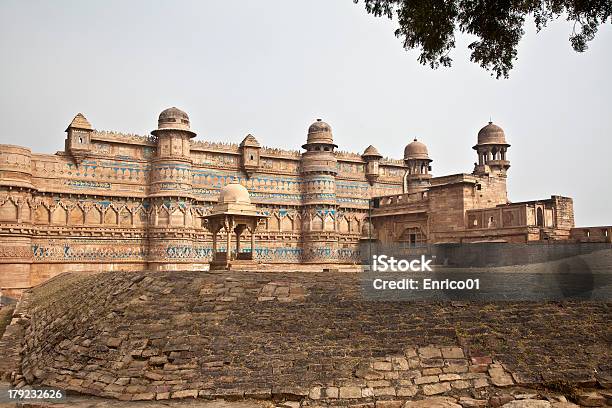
x: 114, y: 201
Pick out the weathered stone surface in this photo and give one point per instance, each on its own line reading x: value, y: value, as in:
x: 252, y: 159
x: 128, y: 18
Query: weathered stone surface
x: 527, y: 403
x: 429, y: 352
x: 591, y: 399
x: 435, y: 402
x: 499, y: 400
x: 185, y: 394
x: 460, y: 384
x: 389, y: 404
x: 315, y: 393
x: 349, y: 392
x: 170, y: 359
x: 499, y: 377
x: 452, y: 352
x: 467, y: 402
x: 449, y: 377
x: 426, y: 380
x: 433, y: 389
x: 331, y: 392
x: 384, y: 392
x: 382, y: 366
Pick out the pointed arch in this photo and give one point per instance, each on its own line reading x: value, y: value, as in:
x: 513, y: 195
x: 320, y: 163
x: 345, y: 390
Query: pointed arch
x: 8, y: 211
x: 76, y: 216
x: 140, y: 217
x: 125, y: 217
x: 163, y: 216
x: 59, y: 215
x: 26, y: 211
x: 286, y: 224
x: 329, y: 223
x: 111, y: 217
x: 42, y: 215
x: 317, y: 223
x: 343, y: 225
x: 177, y: 217
x: 93, y: 216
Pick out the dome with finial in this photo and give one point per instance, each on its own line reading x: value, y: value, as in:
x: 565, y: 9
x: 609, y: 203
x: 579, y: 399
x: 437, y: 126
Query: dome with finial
x: 173, y: 119
x: 234, y: 193
x: 372, y: 152
x: 416, y: 150
x: 491, y: 134
x: 320, y: 132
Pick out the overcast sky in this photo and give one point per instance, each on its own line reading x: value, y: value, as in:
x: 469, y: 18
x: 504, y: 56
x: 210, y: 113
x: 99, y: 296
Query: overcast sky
x: 271, y: 67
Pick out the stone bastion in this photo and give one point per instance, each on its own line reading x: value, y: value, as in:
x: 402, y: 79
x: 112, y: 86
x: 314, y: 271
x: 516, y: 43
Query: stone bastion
x: 306, y: 337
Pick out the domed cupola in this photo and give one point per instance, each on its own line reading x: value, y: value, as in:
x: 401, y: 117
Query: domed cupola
x: 417, y: 176
x: 320, y: 134
x: 491, y: 148
x: 492, y: 134
x: 319, y: 156
x: 416, y: 151
x: 173, y: 119
x: 234, y: 193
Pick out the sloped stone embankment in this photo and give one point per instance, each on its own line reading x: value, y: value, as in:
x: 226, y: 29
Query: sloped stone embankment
x: 309, y: 337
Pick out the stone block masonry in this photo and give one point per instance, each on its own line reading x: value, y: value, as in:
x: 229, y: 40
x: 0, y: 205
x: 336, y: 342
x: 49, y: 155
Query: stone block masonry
x: 306, y: 337
x: 122, y: 202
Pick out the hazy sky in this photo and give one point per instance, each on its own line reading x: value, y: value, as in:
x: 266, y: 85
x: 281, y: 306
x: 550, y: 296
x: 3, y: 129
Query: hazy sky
x: 271, y: 67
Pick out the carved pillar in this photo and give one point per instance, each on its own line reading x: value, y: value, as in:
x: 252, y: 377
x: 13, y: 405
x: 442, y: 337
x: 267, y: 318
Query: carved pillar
x: 253, y: 239
x: 214, y: 243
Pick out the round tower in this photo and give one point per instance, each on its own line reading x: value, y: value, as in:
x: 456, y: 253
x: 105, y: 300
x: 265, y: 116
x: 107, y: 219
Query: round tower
x: 16, y: 209
x: 171, y: 166
x: 319, y: 169
x: 416, y: 158
x: 170, y: 193
x: 491, y: 149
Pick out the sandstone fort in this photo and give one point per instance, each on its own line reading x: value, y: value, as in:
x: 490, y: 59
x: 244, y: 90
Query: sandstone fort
x: 114, y: 201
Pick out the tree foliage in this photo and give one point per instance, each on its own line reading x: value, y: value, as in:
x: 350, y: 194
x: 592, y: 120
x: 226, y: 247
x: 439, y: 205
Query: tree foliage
x: 430, y: 25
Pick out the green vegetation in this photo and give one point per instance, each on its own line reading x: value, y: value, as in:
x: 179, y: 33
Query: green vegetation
x: 498, y: 25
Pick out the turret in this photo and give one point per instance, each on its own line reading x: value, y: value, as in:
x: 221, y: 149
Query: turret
x: 249, y: 152
x: 170, y: 194
x: 491, y: 149
x: 319, y: 169
x: 416, y: 158
x: 171, y: 166
x: 78, y: 138
x: 372, y: 159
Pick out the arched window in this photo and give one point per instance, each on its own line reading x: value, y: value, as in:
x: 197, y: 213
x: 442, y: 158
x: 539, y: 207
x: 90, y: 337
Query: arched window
x: 540, y: 217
